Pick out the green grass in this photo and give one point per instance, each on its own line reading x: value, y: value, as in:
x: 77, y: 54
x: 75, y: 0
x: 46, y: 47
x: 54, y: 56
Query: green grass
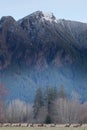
x: 41, y: 128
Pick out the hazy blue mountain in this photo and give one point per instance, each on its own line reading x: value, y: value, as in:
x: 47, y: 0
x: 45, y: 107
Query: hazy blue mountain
x: 40, y: 50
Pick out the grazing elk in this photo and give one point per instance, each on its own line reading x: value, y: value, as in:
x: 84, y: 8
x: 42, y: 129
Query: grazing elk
x: 32, y: 125
x: 53, y: 125
x: 78, y: 125
x: 41, y: 125
x: 67, y: 125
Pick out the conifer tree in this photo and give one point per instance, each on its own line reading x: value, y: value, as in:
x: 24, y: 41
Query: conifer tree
x: 38, y: 102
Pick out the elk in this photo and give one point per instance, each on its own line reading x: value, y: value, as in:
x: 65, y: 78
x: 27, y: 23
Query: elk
x: 67, y: 125
x: 52, y: 125
x: 78, y: 125
x: 32, y: 125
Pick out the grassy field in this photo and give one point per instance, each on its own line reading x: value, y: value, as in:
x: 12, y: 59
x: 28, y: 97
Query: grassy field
x: 42, y: 128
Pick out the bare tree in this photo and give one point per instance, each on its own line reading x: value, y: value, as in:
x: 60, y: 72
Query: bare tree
x: 65, y: 111
x: 18, y: 111
x: 83, y: 113
x: 3, y: 93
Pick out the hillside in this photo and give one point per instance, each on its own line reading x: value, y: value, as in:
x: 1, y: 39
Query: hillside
x: 40, y: 50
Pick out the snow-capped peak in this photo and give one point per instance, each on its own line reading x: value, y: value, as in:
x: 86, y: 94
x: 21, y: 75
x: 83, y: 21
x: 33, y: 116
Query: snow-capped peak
x: 39, y: 15
x: 49, y: 16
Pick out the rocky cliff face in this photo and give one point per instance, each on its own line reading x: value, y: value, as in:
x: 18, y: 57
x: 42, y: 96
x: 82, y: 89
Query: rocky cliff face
x: 40, y: 50
x: 5, y: 24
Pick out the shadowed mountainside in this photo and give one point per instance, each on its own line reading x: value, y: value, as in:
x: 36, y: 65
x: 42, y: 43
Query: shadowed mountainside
x: 39, y: 50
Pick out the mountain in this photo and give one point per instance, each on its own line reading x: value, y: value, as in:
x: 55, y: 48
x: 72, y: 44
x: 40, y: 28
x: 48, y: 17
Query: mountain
x: 40, y: 50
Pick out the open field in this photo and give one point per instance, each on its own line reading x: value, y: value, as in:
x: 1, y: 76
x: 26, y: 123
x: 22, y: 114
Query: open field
x: 21, y: 128
x: 43, y: 128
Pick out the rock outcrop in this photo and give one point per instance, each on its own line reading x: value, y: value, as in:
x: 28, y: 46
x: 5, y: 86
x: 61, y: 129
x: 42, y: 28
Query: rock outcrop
x: 42, y: 50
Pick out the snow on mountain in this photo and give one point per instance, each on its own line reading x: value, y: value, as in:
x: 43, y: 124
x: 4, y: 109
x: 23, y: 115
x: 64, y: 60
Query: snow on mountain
x: 39, y: 50
x: 39, y: 15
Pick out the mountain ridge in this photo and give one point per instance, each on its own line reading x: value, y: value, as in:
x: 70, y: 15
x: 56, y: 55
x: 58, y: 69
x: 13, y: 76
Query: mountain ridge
x: 39, y: 50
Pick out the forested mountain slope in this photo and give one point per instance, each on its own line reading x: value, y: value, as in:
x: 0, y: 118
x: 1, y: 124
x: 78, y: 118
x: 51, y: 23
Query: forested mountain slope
x: 40, y: 50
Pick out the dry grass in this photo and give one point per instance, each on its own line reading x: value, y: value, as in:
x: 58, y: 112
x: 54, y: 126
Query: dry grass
x: 44, y: 128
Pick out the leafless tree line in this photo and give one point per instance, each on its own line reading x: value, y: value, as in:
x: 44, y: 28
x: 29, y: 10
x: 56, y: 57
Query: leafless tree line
x: 60, y: 110
x: 63, y: 111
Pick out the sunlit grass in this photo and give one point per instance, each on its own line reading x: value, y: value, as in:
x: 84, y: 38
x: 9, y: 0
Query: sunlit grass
x: 42, y: 128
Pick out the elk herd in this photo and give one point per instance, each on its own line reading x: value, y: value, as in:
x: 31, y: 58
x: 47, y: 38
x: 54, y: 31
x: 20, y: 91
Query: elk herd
x: 37, y: 125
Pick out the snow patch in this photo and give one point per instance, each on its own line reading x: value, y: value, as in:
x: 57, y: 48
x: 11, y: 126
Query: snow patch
x: 39, y: 15
x: 49, y: 17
